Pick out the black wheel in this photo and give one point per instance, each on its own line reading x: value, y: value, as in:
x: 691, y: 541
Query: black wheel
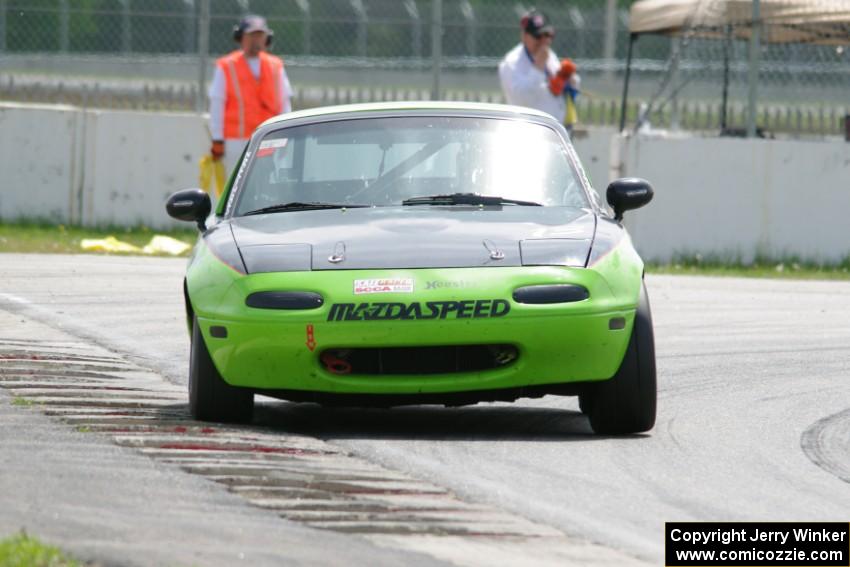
x: 626, y: 403
x: 210, y: 397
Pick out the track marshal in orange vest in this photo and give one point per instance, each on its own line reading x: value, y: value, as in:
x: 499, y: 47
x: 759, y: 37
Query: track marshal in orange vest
x: 249, y: 86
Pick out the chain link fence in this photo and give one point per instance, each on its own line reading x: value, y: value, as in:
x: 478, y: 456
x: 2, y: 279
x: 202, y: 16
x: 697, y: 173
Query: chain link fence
x: 146, y: 54
x: 474, y: 31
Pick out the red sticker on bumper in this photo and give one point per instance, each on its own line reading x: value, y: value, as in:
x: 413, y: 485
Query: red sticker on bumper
x: 311, y: 338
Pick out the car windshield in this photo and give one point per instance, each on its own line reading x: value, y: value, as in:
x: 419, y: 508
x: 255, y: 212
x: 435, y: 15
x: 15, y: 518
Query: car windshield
x: 410, y: 161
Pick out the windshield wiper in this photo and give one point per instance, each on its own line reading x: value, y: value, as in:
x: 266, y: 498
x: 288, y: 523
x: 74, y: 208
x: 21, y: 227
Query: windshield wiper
x: 466, y: 199
x: 298, y: 206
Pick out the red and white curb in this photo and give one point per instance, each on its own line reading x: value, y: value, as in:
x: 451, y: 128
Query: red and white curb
x: 303, y: 479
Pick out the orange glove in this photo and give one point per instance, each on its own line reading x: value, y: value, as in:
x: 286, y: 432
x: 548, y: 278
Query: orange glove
x: 567, y: 68
x: 557, y: 84
x: 217, y: 149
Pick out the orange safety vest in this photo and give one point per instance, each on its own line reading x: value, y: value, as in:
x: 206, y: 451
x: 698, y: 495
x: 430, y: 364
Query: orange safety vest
x: 250, y: 101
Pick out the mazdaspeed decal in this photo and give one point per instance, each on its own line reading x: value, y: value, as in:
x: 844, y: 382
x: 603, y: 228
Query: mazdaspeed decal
x: 390, y: 311
x: 384, y: 285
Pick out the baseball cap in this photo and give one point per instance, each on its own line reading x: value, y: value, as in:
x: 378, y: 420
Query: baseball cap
x: 536, y: 23
x: 254, y: 23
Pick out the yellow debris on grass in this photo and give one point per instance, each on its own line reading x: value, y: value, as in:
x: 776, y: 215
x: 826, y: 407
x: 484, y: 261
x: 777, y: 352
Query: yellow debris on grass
x: 159, y: 244
x: 108, y: 244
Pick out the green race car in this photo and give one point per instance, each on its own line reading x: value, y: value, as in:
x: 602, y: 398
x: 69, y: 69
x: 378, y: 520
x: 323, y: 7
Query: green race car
x: 417, y: 253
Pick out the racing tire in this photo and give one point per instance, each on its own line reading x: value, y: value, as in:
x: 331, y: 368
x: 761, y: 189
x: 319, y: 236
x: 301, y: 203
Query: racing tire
x: 210, y: 397
x: 626, y: 403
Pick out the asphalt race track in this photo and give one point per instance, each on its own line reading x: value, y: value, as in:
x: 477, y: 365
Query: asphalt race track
x: 754, y: 424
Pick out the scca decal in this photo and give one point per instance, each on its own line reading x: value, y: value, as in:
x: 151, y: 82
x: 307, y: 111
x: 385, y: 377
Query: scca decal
x: 470, y: 309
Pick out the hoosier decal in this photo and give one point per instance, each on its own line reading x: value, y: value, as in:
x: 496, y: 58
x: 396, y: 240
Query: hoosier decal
x: 470, y: 309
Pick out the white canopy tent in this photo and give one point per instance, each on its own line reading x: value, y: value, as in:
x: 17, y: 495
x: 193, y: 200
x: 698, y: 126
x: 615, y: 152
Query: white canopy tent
x: 821, y: 22
x: 783, y: 21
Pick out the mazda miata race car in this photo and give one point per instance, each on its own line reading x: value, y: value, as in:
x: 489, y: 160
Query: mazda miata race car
x: 417, y: 253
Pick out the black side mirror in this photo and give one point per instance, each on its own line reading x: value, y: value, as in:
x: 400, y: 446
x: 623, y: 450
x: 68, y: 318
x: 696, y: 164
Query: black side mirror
x: 627, y: 194
x: 190, y: 205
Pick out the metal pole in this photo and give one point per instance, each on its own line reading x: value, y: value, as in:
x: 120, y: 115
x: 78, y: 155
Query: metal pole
x: 632, y: 38
x: 610, y: 43
x: 471, y: 31
x: 362, y: 26
x: 674, y: 80
x: 308, y: 33
x: 436, y: 46
x: 64, y: 24
x: 416, y: 33
x: 2, y: 25
x: 580, y: 31
x: 189, y: 28
x: 725, y: 103
x: 304, y: 6
x: 203, y: 54
x: 126, y: 32
x: 755, y: 52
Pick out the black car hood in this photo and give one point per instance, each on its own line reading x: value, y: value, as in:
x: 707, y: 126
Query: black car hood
x: 414, y: 237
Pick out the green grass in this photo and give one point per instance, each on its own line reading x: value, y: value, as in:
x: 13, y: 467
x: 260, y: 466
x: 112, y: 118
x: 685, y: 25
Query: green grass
x: 39, y: 236
x: 761, y: 267
x: 22, y: 402
x: 22, y: 550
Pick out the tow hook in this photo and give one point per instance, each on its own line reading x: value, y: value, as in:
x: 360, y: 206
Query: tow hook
x: 504, y: 354
x: 334, y: 363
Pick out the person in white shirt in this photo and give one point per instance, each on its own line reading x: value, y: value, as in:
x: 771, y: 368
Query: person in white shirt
x: 248, y: 87
x: 532, y: 75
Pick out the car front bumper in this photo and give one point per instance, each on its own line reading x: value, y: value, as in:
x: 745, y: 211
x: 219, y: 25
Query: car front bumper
x: 278, y: 349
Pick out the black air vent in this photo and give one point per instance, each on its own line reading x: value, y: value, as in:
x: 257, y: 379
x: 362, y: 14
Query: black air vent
x: 558, y: 293
x: 284, y: 300
x: 418, y: 360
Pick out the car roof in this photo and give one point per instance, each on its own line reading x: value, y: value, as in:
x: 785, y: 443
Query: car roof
x: 473, y: 108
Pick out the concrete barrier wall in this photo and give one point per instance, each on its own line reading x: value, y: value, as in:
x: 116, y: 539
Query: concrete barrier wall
x: 96, y: 167
x: 134, y: 161
x: 593, y: 146
x: 39, y: 161
x: 728, y: 198
x: 738, y: 199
